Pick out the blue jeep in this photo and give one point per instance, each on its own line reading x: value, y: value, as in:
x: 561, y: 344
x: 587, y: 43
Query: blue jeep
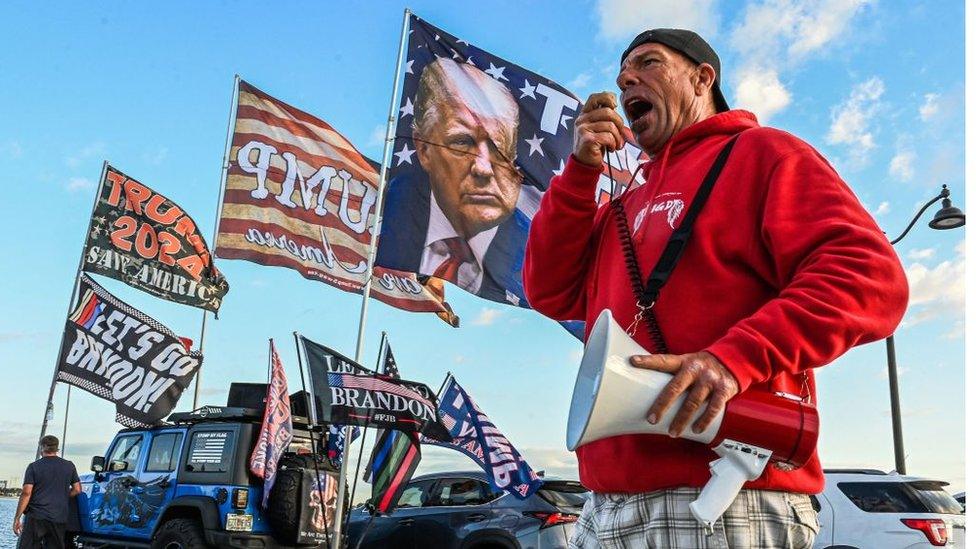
x: 186, y: 485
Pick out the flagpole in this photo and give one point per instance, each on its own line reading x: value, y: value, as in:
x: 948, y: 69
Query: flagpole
x: 380, y: 359
x: 213, y: 241
x: 49, y: 409
x: 312, y: 420
x: 377, y: 225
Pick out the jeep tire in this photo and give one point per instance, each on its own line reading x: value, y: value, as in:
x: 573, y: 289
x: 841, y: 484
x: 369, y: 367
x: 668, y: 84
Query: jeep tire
x: 180, y: 534
x: 285, y: 500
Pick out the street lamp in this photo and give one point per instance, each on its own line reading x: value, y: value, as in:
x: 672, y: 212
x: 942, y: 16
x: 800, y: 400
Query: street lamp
x: 948, y: 217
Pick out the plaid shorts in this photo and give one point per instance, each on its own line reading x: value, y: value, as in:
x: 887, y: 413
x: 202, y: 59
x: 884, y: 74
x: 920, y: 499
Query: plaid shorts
x: 757, y: 519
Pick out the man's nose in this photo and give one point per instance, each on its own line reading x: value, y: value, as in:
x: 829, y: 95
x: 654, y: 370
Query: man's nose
x: 626, y: 78
x: 482, y: 166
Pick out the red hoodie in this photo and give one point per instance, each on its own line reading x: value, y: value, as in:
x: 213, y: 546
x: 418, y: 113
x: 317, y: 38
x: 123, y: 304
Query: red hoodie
x: 785, y: 272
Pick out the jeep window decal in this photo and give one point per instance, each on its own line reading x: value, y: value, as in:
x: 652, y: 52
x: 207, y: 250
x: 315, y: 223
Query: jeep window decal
x: 209, y: 452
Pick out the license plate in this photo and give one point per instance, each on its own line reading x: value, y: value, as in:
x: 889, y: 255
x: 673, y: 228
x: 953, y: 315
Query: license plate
x: 240, y: 523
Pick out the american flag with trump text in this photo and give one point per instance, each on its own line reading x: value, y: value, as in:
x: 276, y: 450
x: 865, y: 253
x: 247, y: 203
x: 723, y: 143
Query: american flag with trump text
x: 276, y: 429
x: 474, y: 435
x: 300, y: 195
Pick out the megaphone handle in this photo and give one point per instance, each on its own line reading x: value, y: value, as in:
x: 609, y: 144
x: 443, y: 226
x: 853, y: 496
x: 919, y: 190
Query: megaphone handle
x: 738, y: 463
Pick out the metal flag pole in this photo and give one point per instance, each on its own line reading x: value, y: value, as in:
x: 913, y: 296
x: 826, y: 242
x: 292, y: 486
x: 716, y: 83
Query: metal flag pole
x: 213, y: 242
x: 49, y: 408
x: 312, y: 420
x: 377, y: 225
x: 380, y: 359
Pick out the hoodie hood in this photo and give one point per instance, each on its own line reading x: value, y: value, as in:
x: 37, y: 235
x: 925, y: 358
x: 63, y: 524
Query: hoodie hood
x: 726, y: 123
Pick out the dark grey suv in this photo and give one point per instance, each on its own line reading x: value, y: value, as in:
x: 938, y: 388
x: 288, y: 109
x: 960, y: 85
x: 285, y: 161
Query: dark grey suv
x: 462, y: 510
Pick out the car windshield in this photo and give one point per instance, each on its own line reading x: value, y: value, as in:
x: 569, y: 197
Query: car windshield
x: 936, y: 498
x: 900, y: 497
x: 567, y: 496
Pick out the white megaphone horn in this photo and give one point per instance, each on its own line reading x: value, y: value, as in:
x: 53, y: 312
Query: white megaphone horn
x: 612, y: 398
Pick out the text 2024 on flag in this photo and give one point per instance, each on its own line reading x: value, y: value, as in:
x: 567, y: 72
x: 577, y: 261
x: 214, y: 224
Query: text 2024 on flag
x: 118, y: 353
x: 478, y: 139
x: 345, y: 393
x: 276, y: 429
x: 299, y: 195
x: 146, y: 240
x: 475, y: 435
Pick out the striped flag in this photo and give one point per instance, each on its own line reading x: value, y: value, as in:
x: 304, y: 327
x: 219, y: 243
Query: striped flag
x: 276, y: 429
x: 395, y: 455
x: 299, y: 195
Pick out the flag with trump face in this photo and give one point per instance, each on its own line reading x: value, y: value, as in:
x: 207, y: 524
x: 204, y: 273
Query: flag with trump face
x: 478, y: 139
x: 300, y: 195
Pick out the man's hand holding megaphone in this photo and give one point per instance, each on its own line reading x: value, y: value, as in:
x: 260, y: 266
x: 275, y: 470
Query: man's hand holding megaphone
x: 598, y: 129
x: 702, y: 376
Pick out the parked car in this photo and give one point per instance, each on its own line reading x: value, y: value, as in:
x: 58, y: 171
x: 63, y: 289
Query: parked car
x: 961, y: 498
x: 869, y: 509
x: 186, y: 485
x: 462, y: 509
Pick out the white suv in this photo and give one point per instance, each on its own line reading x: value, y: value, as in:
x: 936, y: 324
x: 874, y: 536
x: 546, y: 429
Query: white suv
x: 869, y: 509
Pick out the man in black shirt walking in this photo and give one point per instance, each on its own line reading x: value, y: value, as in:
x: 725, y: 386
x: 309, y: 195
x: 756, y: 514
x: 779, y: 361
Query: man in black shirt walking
x: 49, y: 485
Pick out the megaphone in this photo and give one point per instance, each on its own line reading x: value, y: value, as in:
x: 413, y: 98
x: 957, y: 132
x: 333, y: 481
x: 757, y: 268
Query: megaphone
x: 612, y: 398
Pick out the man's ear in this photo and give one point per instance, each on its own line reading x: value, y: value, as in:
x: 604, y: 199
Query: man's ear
x: 423, y: 151
x: 704, y: 78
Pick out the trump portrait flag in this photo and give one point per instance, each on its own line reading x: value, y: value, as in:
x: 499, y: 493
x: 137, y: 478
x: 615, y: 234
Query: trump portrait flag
x: 477, y: 140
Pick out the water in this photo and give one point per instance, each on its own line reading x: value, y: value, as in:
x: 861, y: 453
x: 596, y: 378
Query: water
x: 7, y: 508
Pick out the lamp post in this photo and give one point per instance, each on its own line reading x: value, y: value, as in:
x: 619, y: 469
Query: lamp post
x: 948, y: 217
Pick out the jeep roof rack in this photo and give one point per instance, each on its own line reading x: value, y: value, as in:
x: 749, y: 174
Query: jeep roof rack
x: 217, y: 413
x: 231, y: 413
x: 854, y: 471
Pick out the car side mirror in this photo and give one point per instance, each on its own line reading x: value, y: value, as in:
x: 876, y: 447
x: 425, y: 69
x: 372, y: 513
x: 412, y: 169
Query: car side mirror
x: 117, y: 465
x: 98, y: 464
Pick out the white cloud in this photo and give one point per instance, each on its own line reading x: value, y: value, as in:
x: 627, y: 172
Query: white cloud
x: 79, y: 184
x: 581, y: 81
x: 378, y: 135
x: 916, y: 254
x: 156, y: 157
x: 957, y: 331
x: 773, y: 29
x: 931, y: 106
x: 851, y: 121
x: 760, y: 91
x: 773, y: 36
x: 624, y: 19
x: 938, y: 292
x: 12, y: 149
x: 883, y: 208
x: 486, y: 317
x: 902, y: 166
x: 88, y: 151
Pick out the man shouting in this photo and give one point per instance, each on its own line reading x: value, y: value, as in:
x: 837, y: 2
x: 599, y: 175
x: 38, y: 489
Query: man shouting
x: 784, y: 272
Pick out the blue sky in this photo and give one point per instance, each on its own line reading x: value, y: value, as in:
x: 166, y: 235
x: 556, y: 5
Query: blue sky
x: 876, y: 87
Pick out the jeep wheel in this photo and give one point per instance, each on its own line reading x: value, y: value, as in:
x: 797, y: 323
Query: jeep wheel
x: 180, y: 534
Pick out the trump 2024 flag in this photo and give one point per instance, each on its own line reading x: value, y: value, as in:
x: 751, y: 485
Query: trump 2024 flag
x: 478, y: 139
x: 276, y: 429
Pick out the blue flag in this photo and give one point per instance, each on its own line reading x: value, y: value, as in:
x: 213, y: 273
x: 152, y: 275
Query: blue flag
x: 478, y: 139
x: 336, y: 446
x: 475, y: 435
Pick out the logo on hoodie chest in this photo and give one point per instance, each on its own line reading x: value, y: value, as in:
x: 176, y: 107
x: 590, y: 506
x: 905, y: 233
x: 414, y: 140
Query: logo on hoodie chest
x: 667, y: 204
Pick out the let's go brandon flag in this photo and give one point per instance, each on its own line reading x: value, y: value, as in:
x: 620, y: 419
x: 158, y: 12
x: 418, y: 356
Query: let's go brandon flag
x: 299, y: 195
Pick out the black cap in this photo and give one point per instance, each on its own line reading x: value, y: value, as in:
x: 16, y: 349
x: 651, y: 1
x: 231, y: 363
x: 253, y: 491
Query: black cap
x: 694, y: 47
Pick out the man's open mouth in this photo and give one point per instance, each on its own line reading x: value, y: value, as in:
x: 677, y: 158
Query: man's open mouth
x: 636, y: 109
